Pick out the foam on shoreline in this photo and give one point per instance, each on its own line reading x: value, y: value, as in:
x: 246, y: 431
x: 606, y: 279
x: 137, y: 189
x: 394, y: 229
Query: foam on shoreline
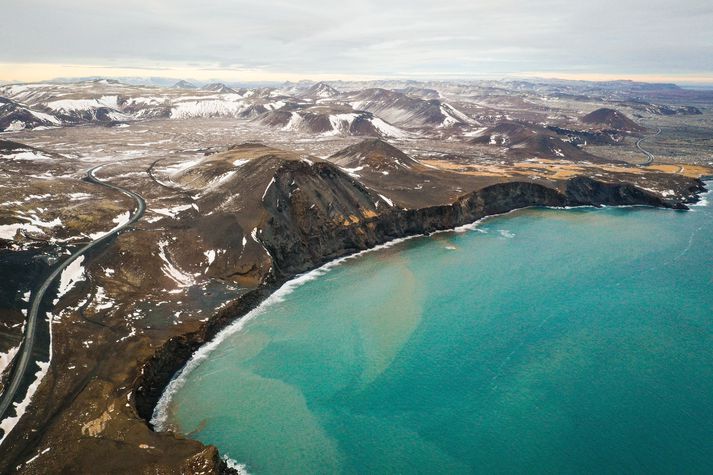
x: 160, y: 415
x: 704, y: 197
x: 159, y: 418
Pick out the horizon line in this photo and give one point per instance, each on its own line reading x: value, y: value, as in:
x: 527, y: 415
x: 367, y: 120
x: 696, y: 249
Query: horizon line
x: 39, y: 72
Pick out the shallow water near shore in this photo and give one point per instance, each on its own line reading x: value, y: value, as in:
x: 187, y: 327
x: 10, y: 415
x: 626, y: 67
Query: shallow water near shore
x: 544, y: 341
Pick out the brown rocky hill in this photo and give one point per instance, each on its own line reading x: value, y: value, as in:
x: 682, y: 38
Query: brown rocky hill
x: 605, y: 118
x: 255, y: 216
x: 531, y: 141
x: 375, y: 155
x: 406, y: 111
x: 401, y: 179
x: 339, y: 120
x: 257, y: 201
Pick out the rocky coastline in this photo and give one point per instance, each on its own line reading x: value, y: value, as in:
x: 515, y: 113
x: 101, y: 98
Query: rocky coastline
x: 298, y: 243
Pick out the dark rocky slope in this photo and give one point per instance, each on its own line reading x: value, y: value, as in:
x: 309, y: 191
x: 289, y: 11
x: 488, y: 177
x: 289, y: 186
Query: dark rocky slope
x: 15, y: 116
x: 611, y: 119
x: 275, y: 214
x: 524, y: 140
x: 299, y: 240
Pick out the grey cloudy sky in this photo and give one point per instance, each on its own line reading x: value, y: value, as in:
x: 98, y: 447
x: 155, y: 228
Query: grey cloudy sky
x: 365, y: 38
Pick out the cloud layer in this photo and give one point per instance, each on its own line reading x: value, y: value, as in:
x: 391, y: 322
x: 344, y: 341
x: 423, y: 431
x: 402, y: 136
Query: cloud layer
x: 376, y: 38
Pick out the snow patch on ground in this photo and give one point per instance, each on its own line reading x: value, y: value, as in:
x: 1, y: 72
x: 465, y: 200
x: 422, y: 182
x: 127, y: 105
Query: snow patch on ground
x: 15, y: 126
x: 6, y: 358
x: 46, y: 117
x: 122, y: 219
x: 9, y: 423
x: 8, y: 231
x: 29, y: 155
x: 210, y: 255
x: 353, y: 171
x: 71, y: 105
x: 72, y: 274
x: 37, y: 456
x: 181, y: 166
x: 102, y: 301
x: 79, y: 196
x: 387, y: 129
x: 388, y: 201
x: 212, y: 108
x: 453, y: 116
x: 264, y: 193
x: 294, y: 122
x: 171, y: 212
x: 182, y: 279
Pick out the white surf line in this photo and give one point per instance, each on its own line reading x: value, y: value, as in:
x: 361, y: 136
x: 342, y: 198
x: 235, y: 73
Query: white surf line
x: 160, y: 414
x: 703, y: 197
x: 8, y: 423
x: 159, y: 419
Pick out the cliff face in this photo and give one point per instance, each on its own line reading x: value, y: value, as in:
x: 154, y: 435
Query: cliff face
x: 586, y: 191
x: 274, y: 214
x: 317, y: 214
x: 252, y: 216
x: 299, y: 239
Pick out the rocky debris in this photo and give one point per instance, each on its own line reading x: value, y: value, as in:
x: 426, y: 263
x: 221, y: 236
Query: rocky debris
x: 583, y: 138
x: 299, y: 239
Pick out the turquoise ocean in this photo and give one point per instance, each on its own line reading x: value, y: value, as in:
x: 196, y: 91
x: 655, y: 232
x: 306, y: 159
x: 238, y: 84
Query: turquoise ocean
x: 541, y: 341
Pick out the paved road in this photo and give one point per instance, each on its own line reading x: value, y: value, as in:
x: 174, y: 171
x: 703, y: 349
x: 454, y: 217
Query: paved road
x: 649, y: 155
x: 22, y: 361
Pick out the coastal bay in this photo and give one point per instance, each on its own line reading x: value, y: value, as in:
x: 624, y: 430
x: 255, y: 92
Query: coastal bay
x: 566, y: 340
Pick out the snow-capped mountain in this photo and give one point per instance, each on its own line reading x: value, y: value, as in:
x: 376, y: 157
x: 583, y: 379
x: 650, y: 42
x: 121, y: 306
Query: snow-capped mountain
x: 184, y: 85
x: 319, y: 91
x: 316, y: 108
x: 331, y: 122
x: 219, y: 88
x: 406, y: 111
x: 15, y: 117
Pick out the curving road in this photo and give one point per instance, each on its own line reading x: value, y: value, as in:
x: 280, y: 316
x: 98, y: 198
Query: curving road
x: 22, y: 361
x: 649, y: 155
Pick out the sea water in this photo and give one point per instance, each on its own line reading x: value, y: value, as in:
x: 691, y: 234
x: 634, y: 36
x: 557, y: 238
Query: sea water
x: 542, y: 341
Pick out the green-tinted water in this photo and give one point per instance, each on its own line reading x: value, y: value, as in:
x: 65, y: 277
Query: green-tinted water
x: 551, y: 341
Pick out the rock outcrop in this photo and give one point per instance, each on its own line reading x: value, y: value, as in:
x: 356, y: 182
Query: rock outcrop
x: 339, y: 216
